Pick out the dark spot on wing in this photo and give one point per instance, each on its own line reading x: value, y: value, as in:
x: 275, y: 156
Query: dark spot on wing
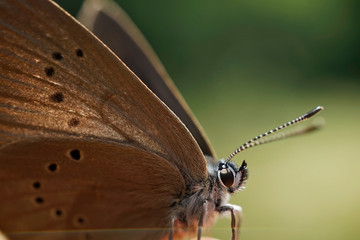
x: 57, y: 56
x: 79, y: 220
x: 79, y: 53
x: 39, y: 200
x: 49, y: 71
x: 57, y: 97
x: 58, y: 212
x: 53, y: 167
x: 75, y: 154
x: 74, y: 122
x: 36, y: 185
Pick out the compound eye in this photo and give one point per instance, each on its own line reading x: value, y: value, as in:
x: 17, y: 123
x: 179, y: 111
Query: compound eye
x: 227, y: 177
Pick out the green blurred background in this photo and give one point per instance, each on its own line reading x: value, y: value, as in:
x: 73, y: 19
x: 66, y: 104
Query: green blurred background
x: 247, y: 66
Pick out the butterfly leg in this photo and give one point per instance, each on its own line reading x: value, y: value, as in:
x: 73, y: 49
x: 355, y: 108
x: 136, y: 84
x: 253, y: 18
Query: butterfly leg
x: 171, y: 232
x: 200, y: 223
x: 234, y: 210
x: 201, y: 220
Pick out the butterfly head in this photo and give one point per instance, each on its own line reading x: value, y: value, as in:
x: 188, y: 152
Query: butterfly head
x: 230, y: 176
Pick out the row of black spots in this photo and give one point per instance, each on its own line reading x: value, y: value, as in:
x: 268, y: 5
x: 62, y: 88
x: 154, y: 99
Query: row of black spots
x: 78, y: 220
x: 49, y: 71
x: 58, y: 97
x: 57, y: 213
x: 38, y: 200
x: 58, y: 56
x: 53, y: 167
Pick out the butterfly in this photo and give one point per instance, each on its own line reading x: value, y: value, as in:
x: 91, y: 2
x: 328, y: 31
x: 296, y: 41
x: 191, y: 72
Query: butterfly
x: 93, y: 148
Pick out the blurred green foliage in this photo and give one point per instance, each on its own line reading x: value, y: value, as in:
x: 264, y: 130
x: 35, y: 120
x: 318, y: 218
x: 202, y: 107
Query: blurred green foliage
x: 247, y: 66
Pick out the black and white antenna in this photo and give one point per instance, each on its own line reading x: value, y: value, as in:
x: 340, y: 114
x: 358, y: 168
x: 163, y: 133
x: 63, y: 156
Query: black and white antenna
x: 257, y: 140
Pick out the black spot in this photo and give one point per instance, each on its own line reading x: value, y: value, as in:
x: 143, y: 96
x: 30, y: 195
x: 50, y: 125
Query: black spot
x: 36, y: 185
x: 49, y: 71
x: 74, y: 122
x: 75, y: 154
x: 57, y: 56
x: 79, y: 53
x: 57, y: 97
x: 58, y: 213
x: 79, y: 220
x: 52, y: 167
x: 39, y: 200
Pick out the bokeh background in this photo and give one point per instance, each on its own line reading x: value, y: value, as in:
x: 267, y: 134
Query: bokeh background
x: 247, y: 66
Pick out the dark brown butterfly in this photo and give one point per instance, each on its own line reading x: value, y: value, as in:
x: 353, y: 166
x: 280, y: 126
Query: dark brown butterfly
x: 87, y: 150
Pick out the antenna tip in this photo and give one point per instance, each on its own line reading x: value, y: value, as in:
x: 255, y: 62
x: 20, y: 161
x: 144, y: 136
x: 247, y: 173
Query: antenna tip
x: 319, y: 108
x: 314, y: 111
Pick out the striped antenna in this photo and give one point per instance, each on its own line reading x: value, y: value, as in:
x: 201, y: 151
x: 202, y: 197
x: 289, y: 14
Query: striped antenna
x: 255, y: 141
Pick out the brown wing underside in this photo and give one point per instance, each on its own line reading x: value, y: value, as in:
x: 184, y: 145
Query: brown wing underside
x: 58, y: 80
x: 118, y: 192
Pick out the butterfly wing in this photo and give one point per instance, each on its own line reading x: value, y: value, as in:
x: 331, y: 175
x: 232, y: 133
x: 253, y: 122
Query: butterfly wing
x: 111, y: 24
x: 78, y: 185
x: 60, y: 85
x: 57, y: 79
